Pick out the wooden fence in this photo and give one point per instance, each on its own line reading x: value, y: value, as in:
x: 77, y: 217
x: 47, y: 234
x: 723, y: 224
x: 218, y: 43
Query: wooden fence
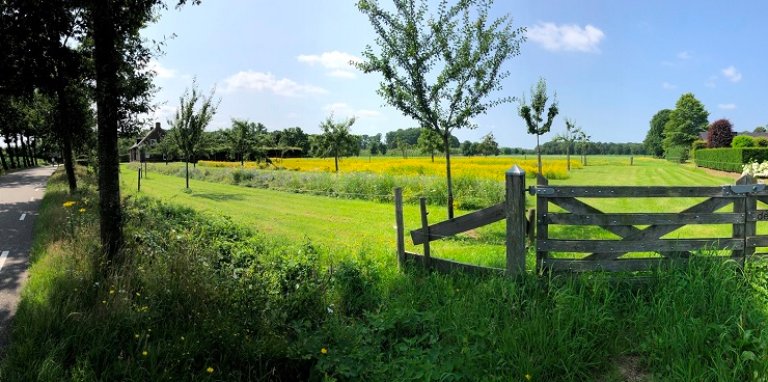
x: 638, y: 232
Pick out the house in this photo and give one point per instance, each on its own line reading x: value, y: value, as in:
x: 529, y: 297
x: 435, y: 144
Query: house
x: 138, y: 152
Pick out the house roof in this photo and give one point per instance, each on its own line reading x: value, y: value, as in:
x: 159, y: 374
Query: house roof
x: 155, y: 133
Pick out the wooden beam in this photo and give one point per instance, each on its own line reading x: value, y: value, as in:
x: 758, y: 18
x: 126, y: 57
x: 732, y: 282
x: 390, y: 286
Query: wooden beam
x: 620, y: 265
x: 624, y: 246
x: 460, y: 224
x: 629, y: 191
x: 645, y: 219
x: 448, y: 266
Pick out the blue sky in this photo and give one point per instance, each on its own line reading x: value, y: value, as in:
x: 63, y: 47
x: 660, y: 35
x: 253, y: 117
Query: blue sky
x: 613, y: 64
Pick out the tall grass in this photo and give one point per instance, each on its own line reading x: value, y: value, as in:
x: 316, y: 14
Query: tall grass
x: 201, y: 298
x: 470, y: 192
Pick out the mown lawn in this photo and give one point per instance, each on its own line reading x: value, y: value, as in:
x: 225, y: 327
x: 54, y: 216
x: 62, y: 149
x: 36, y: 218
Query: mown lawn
x: 354, y: 224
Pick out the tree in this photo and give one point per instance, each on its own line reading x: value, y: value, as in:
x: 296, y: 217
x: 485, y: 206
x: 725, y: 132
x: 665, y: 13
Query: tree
x: 742, y: 141
x: 720, y: 134
x: 686, y: 122
x: 429, y: 142
x: 488, y: 146
x: 190, y: 121
x: 583, y: 142
x: 571, y: 135
x: 759, y: 129
x: 466, y: 149
x: 336, y: 139
x: 533, y: 115
x: 242, y: 138
x: 167, y: 148
x: 439, y: 69
x: 654, y: 139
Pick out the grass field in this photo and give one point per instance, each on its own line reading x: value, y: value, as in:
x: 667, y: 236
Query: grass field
x: 359, y: 224
x: 201, y: 296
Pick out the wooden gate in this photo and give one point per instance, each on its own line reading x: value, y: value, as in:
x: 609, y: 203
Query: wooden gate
x: 607, y: 254
x: 638, y: 232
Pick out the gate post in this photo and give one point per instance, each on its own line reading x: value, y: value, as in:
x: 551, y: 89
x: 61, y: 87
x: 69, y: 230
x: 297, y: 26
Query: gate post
x: 399, y: 226
x: 515, y: 212
x: 745, y: 206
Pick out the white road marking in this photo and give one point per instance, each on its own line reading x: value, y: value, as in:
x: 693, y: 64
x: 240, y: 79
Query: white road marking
x: 3, y: 256
x: 23, y: 216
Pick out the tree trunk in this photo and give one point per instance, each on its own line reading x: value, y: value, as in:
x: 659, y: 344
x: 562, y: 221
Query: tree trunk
x: 186, y: 162
x: 448, y: 174
x: 568, y: 155
x: 32, y: 154
x: 433, y: 157
x: 17, y: 152
x: 9, y: 151
x: 336, y: 161
x: 540, y: 176
x: 107, y: 64
x: 65, y: 134
x: 69, y: 164
x: 2, y: 160
x: 24, y: 153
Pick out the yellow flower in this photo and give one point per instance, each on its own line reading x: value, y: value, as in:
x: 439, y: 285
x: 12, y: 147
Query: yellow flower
x: 144, y: 353
x: 82, y: 210
x: 209, y: 370
x: 69, y: 203
x: 324, y: 351
x: 528, y: 377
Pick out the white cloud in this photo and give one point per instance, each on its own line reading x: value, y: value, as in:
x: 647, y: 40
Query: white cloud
x: 668, y: 86
x: 342, y: 109
x: 684, y: 55
x: 338, y: 63
x: 732, y: 74
x: 566, y: 37
x: 259, y: 81
x: 727, y: 106
x: 160, y: 70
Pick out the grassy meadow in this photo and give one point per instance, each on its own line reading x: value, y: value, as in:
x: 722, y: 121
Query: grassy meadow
x: 232, y: 283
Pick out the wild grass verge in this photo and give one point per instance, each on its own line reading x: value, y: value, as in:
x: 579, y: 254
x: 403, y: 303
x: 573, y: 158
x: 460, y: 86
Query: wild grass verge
x: 200, y: 298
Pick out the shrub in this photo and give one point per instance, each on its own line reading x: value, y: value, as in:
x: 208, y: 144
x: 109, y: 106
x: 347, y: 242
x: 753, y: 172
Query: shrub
x: 729, y: 159
x: 761, y: 142
x: 720, y: 134
x: 698, y: 144
x: 743, y: 141
x: 677, y: 154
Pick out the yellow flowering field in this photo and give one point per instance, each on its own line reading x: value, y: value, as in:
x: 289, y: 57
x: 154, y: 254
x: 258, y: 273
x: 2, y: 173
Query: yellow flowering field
x: 482, y: 167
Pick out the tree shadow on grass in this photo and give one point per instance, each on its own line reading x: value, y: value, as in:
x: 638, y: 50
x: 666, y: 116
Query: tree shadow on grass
x: 218, y: 196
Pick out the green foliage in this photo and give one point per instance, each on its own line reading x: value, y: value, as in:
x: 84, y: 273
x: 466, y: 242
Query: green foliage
x: 654, y: 139
x: 732, y: 159
x: 430, y: 142
x: 678, y: 154
x: 686, y: 122
x: 246, y: 139
x: 698, y: 144
x: 742, y: 141
x: 336, y: 139
x: 488, y: 146
x: 761, y: 142
x: 190, y: 121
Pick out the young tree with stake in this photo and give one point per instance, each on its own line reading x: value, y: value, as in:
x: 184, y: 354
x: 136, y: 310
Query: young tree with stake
x: 189, y: 123
x: 534, y: 118
x: 439, y: 69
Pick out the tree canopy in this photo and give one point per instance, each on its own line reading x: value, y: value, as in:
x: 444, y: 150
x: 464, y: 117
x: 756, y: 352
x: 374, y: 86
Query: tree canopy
x: 686, y: 122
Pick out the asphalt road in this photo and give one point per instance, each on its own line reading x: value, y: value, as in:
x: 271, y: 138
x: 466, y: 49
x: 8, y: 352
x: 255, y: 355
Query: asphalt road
x: 20, y: 195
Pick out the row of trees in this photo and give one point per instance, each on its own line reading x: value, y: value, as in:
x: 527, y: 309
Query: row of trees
x: 78, y: 53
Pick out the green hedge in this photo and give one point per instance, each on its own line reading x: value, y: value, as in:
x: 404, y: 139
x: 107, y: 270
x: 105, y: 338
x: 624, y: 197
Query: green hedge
x: 726, y: 159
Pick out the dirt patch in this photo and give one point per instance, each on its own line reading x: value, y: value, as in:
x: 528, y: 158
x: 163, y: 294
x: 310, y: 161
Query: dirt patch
x: 630, y: 369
